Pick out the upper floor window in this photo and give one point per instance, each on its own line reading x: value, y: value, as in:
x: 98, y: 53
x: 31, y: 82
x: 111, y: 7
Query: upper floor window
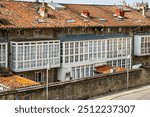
x: 20, y: 32
x: 23, y: 75
x: 84, y: 30
x: 69, y: 31
x: 27, y: 97
x: 38, y: 32
x: 109, y: 30
x: 120, y: 29
x: 141, y: 29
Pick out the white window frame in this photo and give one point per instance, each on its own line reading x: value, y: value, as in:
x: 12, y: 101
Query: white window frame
x: 39, y: 60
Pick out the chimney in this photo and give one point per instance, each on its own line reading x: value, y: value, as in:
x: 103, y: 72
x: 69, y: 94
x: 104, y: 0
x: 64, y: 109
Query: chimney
x: 143, y: 11
x: 85, y: 13
x: 119, y: 12
x: 124, y: 3
x: 143, y: 7
x: 42, y: 10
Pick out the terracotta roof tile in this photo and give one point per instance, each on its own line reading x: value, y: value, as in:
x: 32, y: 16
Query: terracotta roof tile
x: 15, y: 81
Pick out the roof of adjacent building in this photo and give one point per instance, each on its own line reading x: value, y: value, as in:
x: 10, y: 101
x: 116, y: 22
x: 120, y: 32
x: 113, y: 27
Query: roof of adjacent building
x: 107, y: 69
x: 15, y: 82
x: 24, y: 15
x: 91, y: 37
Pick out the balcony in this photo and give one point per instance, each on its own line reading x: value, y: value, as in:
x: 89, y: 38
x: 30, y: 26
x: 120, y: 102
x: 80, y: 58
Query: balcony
x: 34, y: 55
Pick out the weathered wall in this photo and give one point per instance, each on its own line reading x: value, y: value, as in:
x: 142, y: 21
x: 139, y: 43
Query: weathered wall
x: 141, y: 59
x: 84, y: 88
x: 31, y: 74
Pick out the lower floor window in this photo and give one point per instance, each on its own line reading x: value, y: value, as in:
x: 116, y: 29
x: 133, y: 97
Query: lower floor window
x: 23, y: 75
x: 82, y: 71
x: 39, y: 76
x: 120, y: 63
x: 68, y: 74
x: 88, y: 70
x: 2, y: 64
x: 27, y: 97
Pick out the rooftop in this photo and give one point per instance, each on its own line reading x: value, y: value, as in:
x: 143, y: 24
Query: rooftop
x: 132, y: 17
x: 15, y: 82
x: 25, y: 15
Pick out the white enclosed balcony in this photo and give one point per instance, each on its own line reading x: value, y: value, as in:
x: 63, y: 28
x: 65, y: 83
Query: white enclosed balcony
x: 142, y: 44
x: 85, y: 50
x: 34, y: 55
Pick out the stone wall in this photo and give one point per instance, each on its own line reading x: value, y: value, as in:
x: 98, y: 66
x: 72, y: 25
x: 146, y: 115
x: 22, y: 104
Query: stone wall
x: 83, y: 88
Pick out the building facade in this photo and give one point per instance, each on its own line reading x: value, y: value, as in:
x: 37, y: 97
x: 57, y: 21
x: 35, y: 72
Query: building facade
x: 69, y: 40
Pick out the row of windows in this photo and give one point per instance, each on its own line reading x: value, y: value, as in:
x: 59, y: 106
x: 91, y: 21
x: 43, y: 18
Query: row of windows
x: 69, y: 31
x: 35, y: 54
x: 88, y: 70
x: 96, y: 49
x: 36, y: 63
x: 120, y: 63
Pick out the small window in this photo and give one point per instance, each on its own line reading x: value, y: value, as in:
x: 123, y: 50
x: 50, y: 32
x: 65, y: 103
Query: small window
x: 38, y: 32
x: 84, y: 30
x: 23, y: 75
x: 20, y: 32
x: 69, y: 31
x: 16, y: 98
x: 27, y: 97
x: 68, y: 74
x: 109, y: 30
x: 39, y: 76
x: 141, y: 29
x: 120, y: 29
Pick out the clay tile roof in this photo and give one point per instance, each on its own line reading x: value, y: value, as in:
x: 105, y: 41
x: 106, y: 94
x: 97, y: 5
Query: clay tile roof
x: 24, y: 15
x: 107, y: 69
x: 132, y: 18
x: 15, y: 81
